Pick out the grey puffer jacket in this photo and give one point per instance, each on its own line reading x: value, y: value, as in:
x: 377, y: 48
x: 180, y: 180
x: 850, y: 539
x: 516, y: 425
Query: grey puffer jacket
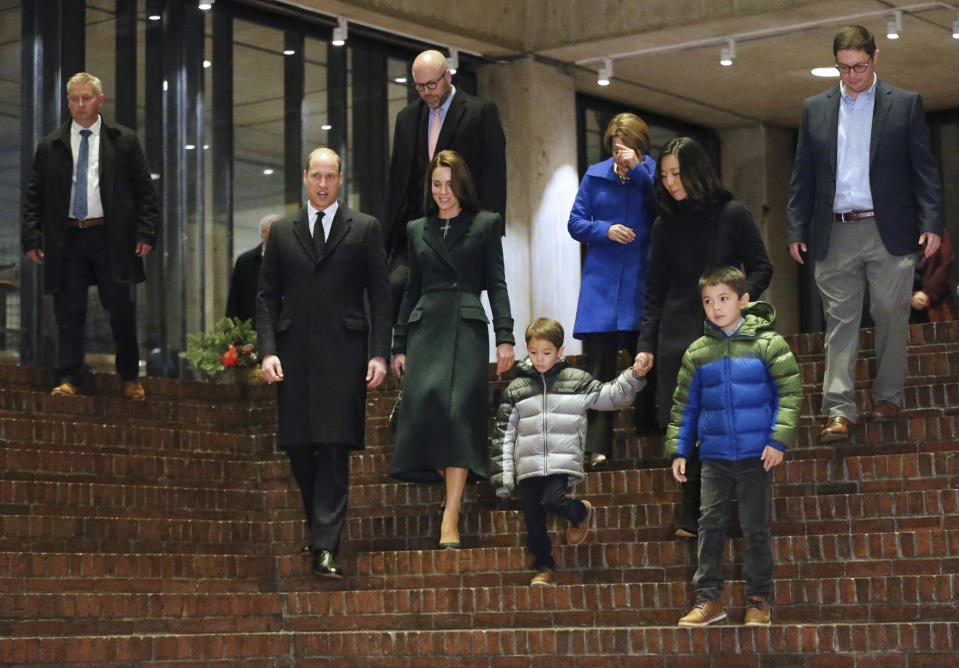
x: 541, y: 421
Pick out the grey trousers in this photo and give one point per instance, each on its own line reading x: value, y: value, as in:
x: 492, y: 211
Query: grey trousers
x: 856, y: 258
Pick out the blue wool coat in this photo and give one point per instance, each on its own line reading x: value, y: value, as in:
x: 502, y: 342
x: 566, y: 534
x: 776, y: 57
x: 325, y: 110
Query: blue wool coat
x: 736, y: 394
x: 614, y: 275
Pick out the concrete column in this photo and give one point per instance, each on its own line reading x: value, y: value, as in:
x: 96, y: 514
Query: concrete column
x: 756, y: 170
x: 537, y: 104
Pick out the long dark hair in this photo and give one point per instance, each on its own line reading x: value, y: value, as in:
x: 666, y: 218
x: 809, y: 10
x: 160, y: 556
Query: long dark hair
x: 702, y: 185
x: 461, y: 183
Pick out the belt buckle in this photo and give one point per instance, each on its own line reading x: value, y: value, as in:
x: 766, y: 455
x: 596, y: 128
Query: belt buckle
x: 82, y: 224
x: 842, y: 216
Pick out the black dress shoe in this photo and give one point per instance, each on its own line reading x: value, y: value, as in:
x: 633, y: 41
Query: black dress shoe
x: 323, y: 565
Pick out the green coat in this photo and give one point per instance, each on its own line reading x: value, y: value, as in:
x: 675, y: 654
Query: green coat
x: 442, y: 329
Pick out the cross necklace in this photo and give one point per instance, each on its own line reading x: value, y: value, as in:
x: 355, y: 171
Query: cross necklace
x: 446, y: 226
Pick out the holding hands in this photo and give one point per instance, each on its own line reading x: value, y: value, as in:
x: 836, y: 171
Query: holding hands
x: 643, y: 363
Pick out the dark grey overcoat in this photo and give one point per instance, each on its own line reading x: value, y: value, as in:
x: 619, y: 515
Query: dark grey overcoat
x: 311, y: 313
x: 442, y: 329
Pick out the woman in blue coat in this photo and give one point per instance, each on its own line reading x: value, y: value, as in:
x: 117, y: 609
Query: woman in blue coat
x: 613, y: 215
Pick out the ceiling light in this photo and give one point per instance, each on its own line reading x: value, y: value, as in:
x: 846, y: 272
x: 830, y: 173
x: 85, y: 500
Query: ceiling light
x: 727, y: 54
x: 895, y: 26
x: 206, y: 5
x: 605, y: 72
x: 400, y: 80
x: 825, y: 72
x: 207, y: 64
x: 955, y: 29
x: 288, y: 52
x: 453, y: 62
x: 326, y: 126
x: 340, y: 33
x: 267, y: 171
x: 154, y: 17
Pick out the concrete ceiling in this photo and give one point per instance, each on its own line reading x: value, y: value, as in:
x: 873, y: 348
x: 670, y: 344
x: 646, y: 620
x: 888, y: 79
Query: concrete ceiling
x: 766, y: 83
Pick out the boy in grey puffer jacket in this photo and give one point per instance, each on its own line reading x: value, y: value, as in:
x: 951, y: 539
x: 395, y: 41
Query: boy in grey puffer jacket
x: 540, y: 431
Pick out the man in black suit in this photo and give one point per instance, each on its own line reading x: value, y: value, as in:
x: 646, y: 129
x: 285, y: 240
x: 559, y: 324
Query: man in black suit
x: 241, y: 299
x: 443, y: 118
x: 89, y: 217
x: 865, y: 198
x: 317, y: 342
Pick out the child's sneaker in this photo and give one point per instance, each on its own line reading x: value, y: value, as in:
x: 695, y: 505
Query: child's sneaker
x: 704, y: 612
x: 757, y: 612
x: 544, y: 577
x: 577, y: 534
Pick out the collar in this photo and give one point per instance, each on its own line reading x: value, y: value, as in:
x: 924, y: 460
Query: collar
x: 868, y: 92
x: 95, y: 128
x: 330, y: 210
x: 445, y: 107
x: 738, y: 325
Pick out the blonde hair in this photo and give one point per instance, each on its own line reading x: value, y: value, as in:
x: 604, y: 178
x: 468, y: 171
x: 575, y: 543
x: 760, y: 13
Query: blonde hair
x: 86, y: 77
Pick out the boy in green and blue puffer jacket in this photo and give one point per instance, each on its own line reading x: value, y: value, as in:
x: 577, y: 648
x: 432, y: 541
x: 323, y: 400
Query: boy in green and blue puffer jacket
x: 737, y: 399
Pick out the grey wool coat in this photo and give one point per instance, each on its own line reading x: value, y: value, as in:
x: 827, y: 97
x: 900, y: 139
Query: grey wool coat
x: 442, y: 330
x: 541, y: 422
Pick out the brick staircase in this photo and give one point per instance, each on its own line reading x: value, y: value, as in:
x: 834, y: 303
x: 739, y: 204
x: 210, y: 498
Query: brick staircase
x: 168, y: 533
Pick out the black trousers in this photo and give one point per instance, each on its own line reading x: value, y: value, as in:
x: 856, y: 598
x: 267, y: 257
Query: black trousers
x: 86, y: 262
x: 543, y: 496
x: 601, y: 349
x: 322, y: 472
x: 689, y: 509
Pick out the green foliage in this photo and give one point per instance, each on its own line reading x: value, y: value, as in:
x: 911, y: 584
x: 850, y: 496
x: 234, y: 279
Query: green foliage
x: 231, y: 343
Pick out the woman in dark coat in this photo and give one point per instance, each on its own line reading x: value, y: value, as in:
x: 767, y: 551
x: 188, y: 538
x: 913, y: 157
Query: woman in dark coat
x: 455, y: 253
x: 700, y: 227
x: 612, y: 215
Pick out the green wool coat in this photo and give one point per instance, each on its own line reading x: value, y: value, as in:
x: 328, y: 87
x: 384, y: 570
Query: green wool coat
x: 443, y: 330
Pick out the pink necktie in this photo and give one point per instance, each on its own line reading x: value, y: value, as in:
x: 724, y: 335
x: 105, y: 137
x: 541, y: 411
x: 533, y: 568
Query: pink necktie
x: 434, y: 132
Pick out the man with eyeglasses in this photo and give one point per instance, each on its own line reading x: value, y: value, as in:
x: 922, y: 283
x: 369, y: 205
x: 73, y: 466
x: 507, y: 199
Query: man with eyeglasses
x: 444, y: 117
x: 865, y: 199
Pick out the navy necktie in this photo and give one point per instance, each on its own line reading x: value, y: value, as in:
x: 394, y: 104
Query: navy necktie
x: 83, y: 165
x: 319, y: 237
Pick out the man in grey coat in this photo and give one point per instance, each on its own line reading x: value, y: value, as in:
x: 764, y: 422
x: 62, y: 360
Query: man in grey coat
x: 865, y: 197
x: 318, y: 344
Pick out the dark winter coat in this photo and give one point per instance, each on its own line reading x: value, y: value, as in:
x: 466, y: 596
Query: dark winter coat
x: 541, y: 422
x: 736, y: 394
x: 613, y: 282
x: 311, y: 314
x: 442, y: 329
x: 130, y: 208
x: 684, y: 247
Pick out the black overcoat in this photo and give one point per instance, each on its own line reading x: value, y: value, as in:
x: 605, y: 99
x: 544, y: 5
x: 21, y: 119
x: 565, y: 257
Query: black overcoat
x: 130, y: 208
x: 443, y: 330
x: 682, y: 249
x: 472, y: 128
x: 311, y: 314
x: 241, y: 298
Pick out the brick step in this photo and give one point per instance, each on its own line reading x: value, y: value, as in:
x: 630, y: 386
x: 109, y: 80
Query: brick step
x: 906, y: 551
x: 107, y: 385
x: 892, y: 645
x: 94, y: 533
x: 853, y: 599
x: 78, y: 432
x: 224, y: 415
x: 101, y: 572
x: 941, y: 396
x: 28, y: 461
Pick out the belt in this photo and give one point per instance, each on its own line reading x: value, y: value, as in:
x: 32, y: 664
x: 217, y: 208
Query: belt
x: 851, y: 216
x: 84, y: 224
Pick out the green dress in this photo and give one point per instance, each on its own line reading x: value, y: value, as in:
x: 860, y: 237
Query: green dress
x: 443, y: 330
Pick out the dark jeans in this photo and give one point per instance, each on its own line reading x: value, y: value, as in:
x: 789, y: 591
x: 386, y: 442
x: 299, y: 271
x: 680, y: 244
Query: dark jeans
x: 86, y: 262
x: 322, y: 472
x: 689, y: 508
x: 542, y: 496
x: 750, y: 484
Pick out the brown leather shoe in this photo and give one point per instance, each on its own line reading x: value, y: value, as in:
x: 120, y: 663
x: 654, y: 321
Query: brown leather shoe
x: 835, y: 429
x: 577, y: 534
x: 883, y: 410
x: 65, y: 390
x: 133, y: 390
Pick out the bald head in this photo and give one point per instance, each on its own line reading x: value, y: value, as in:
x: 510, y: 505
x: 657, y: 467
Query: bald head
x: 430, y: 70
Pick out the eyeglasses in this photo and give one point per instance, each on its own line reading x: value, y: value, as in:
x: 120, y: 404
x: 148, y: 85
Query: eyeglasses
x: 858, y: 69
x: 429, y: 85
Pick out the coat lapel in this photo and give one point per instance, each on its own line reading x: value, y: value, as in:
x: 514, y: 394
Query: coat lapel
x: 880, y: 112
x: 832, y: 125
x: 342, y: 222
x: 453, y: 117
x: 301, y: 230
x: 433, y: 238
x: 107, y: 161
x: 458, y: 232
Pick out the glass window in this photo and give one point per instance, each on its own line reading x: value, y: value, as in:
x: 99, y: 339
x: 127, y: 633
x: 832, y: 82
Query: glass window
x: 10, y: 95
